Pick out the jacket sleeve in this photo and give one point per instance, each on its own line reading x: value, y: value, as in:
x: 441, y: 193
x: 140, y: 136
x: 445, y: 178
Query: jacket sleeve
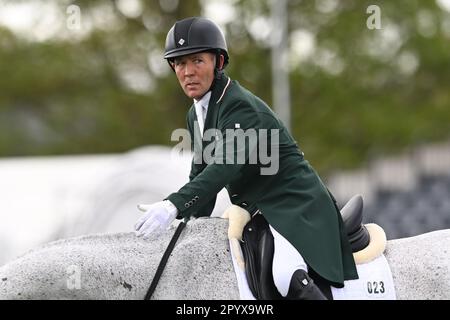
x: 219, y: 171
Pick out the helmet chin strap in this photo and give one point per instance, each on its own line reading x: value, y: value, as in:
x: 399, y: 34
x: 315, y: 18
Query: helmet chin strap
x: 218, y: 73
x: 218, y: 70
x: 170, y: 62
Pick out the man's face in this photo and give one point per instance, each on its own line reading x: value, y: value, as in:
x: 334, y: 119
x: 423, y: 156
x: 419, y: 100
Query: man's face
x: 195, y: 72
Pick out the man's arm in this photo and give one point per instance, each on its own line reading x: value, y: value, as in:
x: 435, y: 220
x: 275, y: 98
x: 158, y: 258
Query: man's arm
x: 205, y: 185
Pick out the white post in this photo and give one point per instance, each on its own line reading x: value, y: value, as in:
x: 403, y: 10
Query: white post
x: 280, y: 59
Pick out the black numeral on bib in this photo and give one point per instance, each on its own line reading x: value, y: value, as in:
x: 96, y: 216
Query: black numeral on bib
x: 375, y: 287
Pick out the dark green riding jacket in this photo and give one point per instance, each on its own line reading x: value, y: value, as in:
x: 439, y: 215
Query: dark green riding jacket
x: 293, y: 200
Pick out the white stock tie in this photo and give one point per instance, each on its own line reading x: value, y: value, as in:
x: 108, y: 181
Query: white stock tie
x: 201, y: 108
x: 201, y: 116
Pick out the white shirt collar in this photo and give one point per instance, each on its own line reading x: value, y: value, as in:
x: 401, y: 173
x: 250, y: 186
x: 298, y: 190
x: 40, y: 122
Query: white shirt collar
x: 204, y: 101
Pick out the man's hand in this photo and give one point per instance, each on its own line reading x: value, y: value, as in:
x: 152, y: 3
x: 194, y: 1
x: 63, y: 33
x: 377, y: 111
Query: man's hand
x: 158, y: 216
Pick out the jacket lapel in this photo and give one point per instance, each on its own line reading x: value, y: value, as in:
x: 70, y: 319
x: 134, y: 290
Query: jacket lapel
x: 211, y: 121
x: 217, y: 94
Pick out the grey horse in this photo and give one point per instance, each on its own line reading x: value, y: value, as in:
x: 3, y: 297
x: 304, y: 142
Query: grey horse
x: 122, y: 266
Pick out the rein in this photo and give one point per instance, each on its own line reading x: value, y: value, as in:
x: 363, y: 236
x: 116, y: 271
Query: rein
x: 163, y: 262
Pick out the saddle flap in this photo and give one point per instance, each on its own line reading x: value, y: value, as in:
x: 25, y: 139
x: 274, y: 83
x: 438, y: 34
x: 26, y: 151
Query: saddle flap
x: 258, y: 250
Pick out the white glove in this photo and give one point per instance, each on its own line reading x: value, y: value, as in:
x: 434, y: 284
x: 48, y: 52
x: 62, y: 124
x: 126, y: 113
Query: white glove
x: 158, y: 216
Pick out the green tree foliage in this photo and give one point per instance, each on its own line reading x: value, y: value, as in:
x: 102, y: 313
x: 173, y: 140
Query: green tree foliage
x: 356, y: 92
x: 390, y: 93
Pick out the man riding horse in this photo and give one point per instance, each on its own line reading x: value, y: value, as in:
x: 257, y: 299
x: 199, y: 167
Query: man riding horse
x: 305, y: 230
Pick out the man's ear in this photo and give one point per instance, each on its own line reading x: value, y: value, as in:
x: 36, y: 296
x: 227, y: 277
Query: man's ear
x: 221, y: 61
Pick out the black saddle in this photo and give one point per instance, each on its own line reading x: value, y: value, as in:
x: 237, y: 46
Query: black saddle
x: 352, y: 214
x: 258, y: 249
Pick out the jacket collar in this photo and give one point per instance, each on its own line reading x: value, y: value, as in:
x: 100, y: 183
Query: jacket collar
x: 219, y: 88
x: 218, y: 92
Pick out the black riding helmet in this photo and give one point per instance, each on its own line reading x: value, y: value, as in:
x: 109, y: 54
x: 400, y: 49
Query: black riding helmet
x: 193, y: 35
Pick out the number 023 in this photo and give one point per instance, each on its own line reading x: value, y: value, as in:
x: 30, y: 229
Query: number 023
x: 375, y: 287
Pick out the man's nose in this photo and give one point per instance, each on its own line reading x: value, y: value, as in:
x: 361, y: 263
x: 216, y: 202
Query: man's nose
x: 189, y: 69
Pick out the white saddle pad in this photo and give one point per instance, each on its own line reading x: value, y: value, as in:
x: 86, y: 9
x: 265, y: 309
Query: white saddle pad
x: 375, y: 282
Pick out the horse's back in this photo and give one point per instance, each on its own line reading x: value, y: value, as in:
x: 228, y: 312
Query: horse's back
x: 420, y: 265
x: 122, y: 266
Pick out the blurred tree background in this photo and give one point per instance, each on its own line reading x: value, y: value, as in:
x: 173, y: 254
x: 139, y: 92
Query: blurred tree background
x: 356, y: 92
